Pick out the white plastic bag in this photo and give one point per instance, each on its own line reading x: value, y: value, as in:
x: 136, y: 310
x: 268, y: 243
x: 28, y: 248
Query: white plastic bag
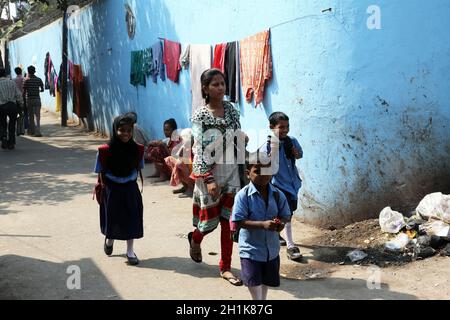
x: 398, y: 243
x: 356, y: 255
x: 391, y: 221
x: 435, y: 205
x: 436, y: 228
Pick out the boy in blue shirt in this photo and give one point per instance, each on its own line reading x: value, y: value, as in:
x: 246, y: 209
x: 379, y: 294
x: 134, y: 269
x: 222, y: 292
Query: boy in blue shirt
x: 260, y: 211
x: 286, y: 178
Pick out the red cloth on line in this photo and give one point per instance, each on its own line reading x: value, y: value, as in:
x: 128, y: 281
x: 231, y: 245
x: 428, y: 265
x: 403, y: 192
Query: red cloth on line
x: 172, y: 52
x: 219, y: 56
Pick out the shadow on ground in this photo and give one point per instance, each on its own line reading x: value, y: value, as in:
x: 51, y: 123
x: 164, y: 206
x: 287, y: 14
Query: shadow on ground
x: 29, y: 279
x: 37, y: 172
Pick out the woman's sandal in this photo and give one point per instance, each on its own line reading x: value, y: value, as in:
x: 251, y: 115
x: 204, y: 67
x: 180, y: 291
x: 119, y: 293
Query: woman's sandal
x: 195, y: 253
x: 232, y: 279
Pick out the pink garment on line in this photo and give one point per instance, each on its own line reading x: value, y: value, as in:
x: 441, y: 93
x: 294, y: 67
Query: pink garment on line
x: 172, y: 52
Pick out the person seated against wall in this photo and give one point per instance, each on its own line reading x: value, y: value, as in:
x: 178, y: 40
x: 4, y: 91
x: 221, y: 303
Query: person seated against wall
x: 139, y: 134
x: 159, y: 150
x: 181, y: 165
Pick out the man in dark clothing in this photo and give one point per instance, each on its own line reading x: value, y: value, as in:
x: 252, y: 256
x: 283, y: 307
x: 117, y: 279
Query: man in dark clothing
x: 32, y: 86
x: 10, y: 106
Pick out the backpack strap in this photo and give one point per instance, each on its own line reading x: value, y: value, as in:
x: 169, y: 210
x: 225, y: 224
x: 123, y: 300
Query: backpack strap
x: 103, y: 154
x: 141, y: 150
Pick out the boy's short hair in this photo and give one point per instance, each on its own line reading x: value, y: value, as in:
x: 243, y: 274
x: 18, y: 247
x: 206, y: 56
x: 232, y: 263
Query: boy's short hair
x: 31, y: 70
x: 18, y: 70
x: 276, y: 117
x: 256, y: 158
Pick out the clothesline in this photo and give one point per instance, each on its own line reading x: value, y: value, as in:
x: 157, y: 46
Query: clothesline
x: 288, y: 21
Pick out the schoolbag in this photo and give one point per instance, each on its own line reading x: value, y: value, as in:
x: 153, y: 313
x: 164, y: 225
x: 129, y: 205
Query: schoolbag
x: 99, y: 188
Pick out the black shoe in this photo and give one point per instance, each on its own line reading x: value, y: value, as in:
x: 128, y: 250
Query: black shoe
x: 11, y: 147
x: 132, y: 261
x: 282, y: 241
x: 108, y: 249
x: 4, y: 144
x: 294, y: 254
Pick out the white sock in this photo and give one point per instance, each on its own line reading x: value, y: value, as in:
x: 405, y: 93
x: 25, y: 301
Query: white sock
x: 289, y: 242
x: 109, y: 242
x: 256, y: 292
x: 264, y: 290
x: 130, y: 251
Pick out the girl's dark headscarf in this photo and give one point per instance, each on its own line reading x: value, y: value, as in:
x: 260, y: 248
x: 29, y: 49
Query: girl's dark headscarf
x: 124, y: 156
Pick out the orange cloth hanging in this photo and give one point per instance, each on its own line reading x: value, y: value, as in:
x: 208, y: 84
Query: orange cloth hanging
x: 256, y: 65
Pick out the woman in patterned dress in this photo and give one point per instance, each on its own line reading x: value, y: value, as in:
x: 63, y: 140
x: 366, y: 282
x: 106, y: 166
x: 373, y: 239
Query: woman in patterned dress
x: 214, y: 126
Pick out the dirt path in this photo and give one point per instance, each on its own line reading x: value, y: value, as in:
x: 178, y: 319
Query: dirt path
x: 49, y: 222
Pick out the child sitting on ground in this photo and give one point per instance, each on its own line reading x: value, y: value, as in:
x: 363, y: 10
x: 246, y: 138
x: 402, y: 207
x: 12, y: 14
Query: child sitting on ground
x: 158, y: 150
x: 181, y: 165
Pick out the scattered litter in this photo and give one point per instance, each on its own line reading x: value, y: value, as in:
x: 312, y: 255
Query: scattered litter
x: 437, y: 228
x: 366, y: 241
x: 411, y: 234
x: 425, y: 252
x: 435, y: 205
x: 356, y: 255
x: 212, y: 253
x: 391, y: 221
x: 446, y: 251
x: 398, y: 243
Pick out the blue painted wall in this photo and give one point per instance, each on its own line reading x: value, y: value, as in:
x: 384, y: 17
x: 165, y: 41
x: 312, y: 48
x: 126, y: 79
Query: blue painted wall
x: 371, y: 108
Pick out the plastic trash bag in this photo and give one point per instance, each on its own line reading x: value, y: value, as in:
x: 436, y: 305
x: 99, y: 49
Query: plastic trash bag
x: 391, y: 221
x: 435, y: 205
x: 436, y: 228
x: 356, y: 255
x: 398, y: 243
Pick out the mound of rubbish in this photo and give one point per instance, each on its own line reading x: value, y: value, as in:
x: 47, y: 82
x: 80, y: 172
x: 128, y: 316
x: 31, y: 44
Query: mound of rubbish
x: 392, y: 239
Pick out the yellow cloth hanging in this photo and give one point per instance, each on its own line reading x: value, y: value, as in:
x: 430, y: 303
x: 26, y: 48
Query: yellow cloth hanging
x: 58, y: 101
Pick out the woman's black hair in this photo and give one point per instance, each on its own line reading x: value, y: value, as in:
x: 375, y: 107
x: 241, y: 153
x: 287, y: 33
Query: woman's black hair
x: 206, y: 79
x: 276, y: 117
x: 172, y: 123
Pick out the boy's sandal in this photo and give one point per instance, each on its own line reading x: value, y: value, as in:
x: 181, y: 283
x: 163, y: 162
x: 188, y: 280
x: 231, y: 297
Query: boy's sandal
x: 231, y: 279
x: 195, y: 253
x: 294, y: 253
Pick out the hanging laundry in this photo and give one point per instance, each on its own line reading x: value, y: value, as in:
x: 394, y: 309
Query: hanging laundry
x: 199, y: 61
x: 256, y: 65
x: 147, y: 61
x: 231, y: 71
x: 58, y: 101
x: 172, y: 52
x: 81, y: 98
x: 137, y: 75
x: 46, y: 64
x: 219, y: 56
x: 70, y: 73
x: 184, y: 59
x: 158, y: 63
x: 50, y: 74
